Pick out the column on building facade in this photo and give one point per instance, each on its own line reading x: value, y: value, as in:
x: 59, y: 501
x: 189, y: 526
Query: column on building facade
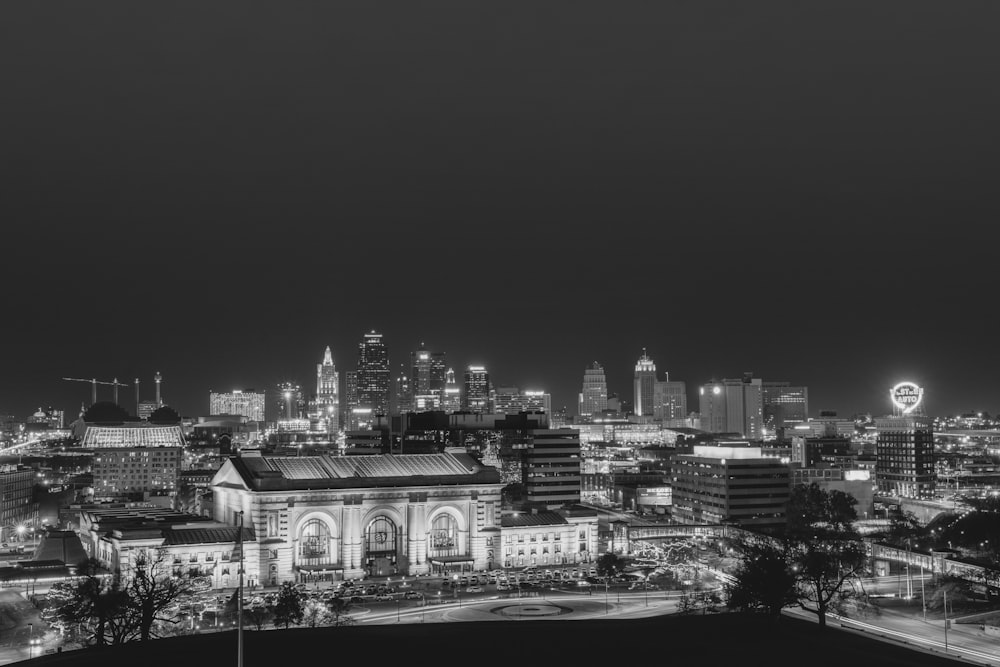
x: 416, y: 547
x: 352, y: 522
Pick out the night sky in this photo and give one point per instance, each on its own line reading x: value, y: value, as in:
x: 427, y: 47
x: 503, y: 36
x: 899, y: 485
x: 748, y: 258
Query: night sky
x: 218, y: 190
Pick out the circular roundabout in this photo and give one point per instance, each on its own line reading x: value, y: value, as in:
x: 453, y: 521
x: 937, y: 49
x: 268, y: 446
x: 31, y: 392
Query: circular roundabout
x: 530, y: 610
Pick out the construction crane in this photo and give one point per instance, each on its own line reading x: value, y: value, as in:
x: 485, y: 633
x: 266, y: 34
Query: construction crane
x: 94, y: 382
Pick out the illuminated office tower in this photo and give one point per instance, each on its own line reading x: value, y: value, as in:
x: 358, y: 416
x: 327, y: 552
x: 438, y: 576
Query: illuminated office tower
x: 328, y: 391
x: 428, y: 377
x: 373, y: 374
x: 784, y: 405
x: 733, y: 406
x: 350, y: 398
x: 669, y: 401
x: 477, y: 390
x: 644, y: 385
x: 594, y: 397
x: 511, y: 400
x: 904, y: 456
x: 247, y: 403
x: 291, y: 401
x: 404, y: 398
x: 724, y: 484
x: 552, y: 473
x: 451, y: 400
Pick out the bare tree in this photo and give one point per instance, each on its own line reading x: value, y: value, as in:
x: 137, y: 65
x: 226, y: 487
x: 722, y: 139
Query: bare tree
x: 95, y: 600
x: 151, y: 590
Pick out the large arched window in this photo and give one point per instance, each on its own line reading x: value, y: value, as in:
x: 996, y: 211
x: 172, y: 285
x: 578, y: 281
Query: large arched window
x: 444, y: 536
x: 314, y: 543
x: 381, y: 538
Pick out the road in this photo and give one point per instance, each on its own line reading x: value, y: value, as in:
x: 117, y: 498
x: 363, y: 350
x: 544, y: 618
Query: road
x: 553, y: 605
x: 964, y: 641
x: 19, y: 623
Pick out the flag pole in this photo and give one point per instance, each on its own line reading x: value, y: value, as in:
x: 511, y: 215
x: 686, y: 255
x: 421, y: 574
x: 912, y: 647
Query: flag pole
x: 239, y: 598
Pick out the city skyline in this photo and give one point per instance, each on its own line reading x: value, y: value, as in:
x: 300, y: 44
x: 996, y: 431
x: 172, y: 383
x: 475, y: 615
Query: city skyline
x: 620, y: 383
x: 671, y: 177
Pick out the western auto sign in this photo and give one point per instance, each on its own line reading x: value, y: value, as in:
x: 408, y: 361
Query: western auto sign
x: 906, y: 396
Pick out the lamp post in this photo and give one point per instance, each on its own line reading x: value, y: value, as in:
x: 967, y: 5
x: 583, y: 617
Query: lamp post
x: 923, y: 598
x: 945, y: 621
x: 605, y: 596
x: 31, y: 639
x: 239, y: 598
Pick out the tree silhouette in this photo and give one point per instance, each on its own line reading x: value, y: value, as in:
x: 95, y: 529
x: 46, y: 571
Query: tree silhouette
x: 288, y: 608
x: 826, y: 554
x: 151, y: 591
x: 609, y: 565
x: 765, y: 581
x: 106, y: 412
x: 165, y: 416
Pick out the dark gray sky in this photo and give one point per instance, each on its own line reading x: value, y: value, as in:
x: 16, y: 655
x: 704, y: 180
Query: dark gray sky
x: 217, y: 190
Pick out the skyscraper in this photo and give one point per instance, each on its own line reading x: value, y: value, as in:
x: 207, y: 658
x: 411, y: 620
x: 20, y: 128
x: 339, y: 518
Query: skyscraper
x: 669, y: 401
x: 350, y: 397
x: 644, y: 385
x: 373, y: 374
x: 733, y: 406
x: 428, y: 377
x: 451, y: 400
x: 477, y: 390
x: 328, y: 392
x: 785, y: 405
x: 594, y: 397
x: 403, y: 392
x: 290, y: 400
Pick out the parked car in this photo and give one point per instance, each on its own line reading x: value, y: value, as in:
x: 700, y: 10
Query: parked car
x: 474, y: 589
x: 357, y: 598
x: 503, y: 587
x: 383, y: 597
x: 412, y: 595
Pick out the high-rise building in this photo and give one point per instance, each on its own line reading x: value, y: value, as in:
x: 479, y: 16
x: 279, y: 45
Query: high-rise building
x: 428, y: 372
x: 669, y: 401
x: 904, y: 456
x: 730, y: 484
x: 328, y: 392
x: 476, y: 397
x: 784, y: 405
x: 511, y: 400
x: 373, y: 374
x: 403, y: 391
x: 350, y: 397
x: 120, y: 472
x: 552, y: 473
x: 594, y: 397
x: 644, y: 385
x: 246, y: 402
x: 17, y: 485
x: 451, y: 397
x: 733, y: 406
x: 292, y: 403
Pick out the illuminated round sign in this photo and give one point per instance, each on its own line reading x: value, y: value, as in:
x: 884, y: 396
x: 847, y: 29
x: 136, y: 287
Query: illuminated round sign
x: 906, y: 396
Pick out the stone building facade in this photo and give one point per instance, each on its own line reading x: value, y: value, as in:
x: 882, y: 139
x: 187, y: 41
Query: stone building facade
x: 330, y: 518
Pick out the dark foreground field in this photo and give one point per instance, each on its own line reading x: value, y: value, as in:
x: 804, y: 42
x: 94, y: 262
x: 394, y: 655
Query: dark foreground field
x: 727, y: 639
